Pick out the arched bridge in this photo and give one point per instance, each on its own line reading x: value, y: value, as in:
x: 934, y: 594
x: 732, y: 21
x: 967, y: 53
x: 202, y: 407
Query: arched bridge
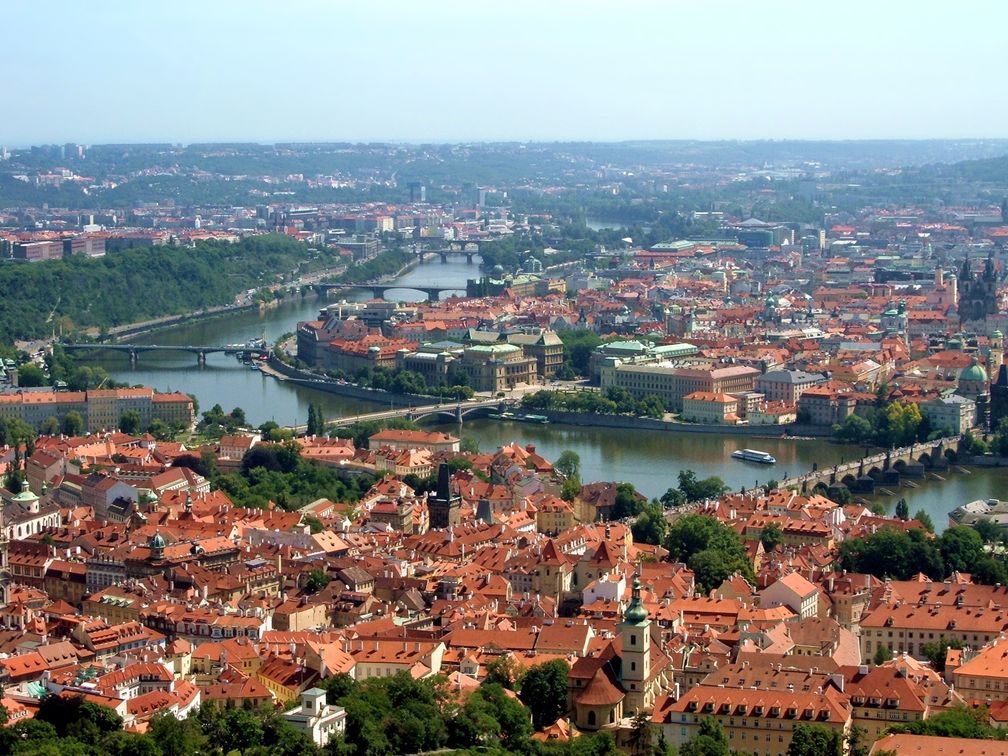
x: 134, y: 350
x: 882, y: 469
x: 468, y: 247
x: 446, y: 411
x: 379, y: 290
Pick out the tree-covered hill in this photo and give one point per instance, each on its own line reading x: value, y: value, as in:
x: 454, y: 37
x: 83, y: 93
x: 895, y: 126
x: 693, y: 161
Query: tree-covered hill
x: 142, y: 283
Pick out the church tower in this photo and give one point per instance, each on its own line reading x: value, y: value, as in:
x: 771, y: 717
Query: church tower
x: 996, y: 354
x: 635, y: 666
x: 444, y: 506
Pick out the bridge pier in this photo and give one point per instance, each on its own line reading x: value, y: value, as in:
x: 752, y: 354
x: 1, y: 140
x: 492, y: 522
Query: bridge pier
x: 444, y: 258
x: 201, y: 358
x: 469, y: 258
x: 133, y: 357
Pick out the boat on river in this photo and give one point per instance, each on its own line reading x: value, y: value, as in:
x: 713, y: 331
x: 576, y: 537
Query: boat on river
x: 519, y: 417
x: 754, y: 455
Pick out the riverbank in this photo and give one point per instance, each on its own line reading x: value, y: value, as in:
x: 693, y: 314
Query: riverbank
x: 631, y: 422
x: 295, y: 290
x: 281, y: 371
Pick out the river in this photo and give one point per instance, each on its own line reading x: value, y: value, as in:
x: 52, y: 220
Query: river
x: 649, y: 460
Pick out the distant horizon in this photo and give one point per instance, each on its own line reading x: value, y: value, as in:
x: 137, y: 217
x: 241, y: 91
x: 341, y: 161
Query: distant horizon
x: 396, y: 71
x: 491, y: 142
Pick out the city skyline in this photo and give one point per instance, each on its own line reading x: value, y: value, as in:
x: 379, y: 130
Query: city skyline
x: 405, y: 73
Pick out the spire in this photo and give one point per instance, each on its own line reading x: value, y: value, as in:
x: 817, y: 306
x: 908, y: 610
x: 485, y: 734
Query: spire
x: 635, y: 614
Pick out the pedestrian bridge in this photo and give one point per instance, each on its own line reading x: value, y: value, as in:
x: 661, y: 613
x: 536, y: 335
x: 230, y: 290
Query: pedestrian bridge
x: 881, y: 469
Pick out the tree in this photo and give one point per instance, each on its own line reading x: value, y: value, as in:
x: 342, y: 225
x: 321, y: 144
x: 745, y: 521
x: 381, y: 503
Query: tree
x: 627, y: 502
x: 936, y: 651
x: 50, y: 426
x: 673, y: 497
x: 958, y: 722
x: 544, y: 692
x: 854, y: 430
x: 311, y: 428
x: 902, y: 509
x: 989, y: 531
x: 924, y: 519
x: 641, y: 733
x: 30, y: 376
x: 570, y: 489
x: 568, y: 464
x: 338, y: 686
x: 961, y: 548
x: 503, y: 670
x: 815, y: 740
x: 894, y: 554
x: 650, y: 525
x: 710, y: 548
x: 858, y: 742
x: 882, y: 655
x: 469, y: 445
x: 73, y: 423
x: 710, y: 740
x: 130, y: 422
x: 693, y: 489
x: 317, y: 580
x: 74, y: 717
x: 771, y: 536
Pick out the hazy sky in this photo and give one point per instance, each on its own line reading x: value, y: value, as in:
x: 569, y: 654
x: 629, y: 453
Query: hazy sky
x: 179, y: 71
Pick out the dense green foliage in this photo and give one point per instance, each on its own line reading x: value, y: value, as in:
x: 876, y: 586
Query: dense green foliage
x: 62, y: 367
x: 139, y: 283
x: 276, y: 472
x: 958, y: 722
x: 901, y: 555
x: 650, y: 525
x: 892, y: 425
x: 613, y: 401
x: 815, y: 740
x: 710, y: 548
x: 408, y: 382
x: 711, y: 740
x: 693, y: 489
x: 578, y: 347
x: 544, y: 692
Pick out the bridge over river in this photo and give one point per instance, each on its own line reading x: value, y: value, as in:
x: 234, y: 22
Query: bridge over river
x: 456, y: 411
x: 134, y: 350
x: 884, y: 469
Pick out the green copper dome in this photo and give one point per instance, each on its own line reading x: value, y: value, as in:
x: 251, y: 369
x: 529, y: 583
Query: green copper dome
x: 997, y: 334
x: 157, y: 541
x: 973, y: 373
x: 25, y: 495
x: 635, y: 613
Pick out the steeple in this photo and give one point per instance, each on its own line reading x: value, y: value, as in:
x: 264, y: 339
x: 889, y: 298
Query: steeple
x: 635, y: 613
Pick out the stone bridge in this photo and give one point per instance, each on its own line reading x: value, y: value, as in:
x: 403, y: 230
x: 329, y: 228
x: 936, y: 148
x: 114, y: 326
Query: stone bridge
x: 883, y: 469
x: 378, y: 291
x: 446, y: 411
